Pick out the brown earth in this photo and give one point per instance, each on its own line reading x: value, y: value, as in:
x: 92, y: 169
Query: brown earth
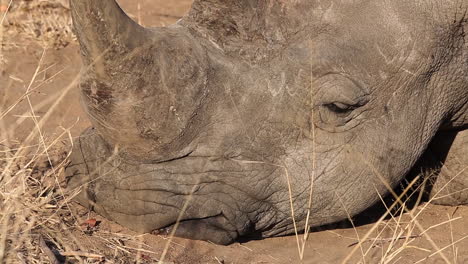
x: 401, y: 239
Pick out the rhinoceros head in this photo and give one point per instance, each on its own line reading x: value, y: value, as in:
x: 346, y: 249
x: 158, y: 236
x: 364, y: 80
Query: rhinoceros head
x: 247, y: 114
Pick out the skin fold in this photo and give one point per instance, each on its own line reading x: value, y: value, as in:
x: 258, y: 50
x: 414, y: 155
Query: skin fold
x: 247, y: 112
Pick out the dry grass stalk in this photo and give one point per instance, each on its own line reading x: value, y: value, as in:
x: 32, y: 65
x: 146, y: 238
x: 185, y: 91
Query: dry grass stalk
x: 406, y: 232
x: 34, y: 206
x: 46, y: 22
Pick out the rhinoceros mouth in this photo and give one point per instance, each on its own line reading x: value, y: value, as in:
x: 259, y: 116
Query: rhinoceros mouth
x: 138, y: 197
x: 213, y: 228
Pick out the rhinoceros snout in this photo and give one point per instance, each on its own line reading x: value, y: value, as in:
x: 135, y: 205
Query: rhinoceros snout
x: 81, y: 171
x: 135, y: 195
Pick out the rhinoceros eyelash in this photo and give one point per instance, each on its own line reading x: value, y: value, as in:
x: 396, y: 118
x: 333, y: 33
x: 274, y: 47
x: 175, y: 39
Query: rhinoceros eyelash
x: 340, y: 108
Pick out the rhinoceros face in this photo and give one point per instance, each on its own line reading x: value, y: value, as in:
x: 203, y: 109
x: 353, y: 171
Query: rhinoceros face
x: 245, y: 113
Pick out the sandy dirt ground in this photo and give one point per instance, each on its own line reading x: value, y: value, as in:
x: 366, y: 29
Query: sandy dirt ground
x: 428, y: 235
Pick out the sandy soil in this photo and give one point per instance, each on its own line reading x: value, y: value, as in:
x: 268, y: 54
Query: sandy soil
x: 437, y: 229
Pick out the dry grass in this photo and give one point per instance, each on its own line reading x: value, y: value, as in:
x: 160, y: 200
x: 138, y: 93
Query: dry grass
x: 37, y: 223
x: 405, y: 233
x: 46, y: 22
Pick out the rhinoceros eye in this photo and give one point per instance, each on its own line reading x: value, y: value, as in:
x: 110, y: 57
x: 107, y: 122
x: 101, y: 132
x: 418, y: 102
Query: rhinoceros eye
x: 340, y: 108
x: 338, y: 97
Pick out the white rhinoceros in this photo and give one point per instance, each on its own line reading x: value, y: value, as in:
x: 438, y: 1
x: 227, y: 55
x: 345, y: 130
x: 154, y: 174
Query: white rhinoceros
x: 226, y: 120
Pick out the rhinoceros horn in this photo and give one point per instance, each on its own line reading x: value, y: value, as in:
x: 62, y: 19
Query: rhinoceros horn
x: 141, y: 87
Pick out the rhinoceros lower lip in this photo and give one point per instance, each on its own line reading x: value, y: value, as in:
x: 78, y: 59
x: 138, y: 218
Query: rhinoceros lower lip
x: 214, y: 228
x: 166, y: 230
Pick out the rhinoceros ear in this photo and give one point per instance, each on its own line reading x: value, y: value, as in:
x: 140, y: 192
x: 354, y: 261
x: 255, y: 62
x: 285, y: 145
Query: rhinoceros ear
x: 102, y: 27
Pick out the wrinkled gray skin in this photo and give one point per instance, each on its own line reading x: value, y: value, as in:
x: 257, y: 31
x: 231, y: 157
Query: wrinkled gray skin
x: 219, y: 119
